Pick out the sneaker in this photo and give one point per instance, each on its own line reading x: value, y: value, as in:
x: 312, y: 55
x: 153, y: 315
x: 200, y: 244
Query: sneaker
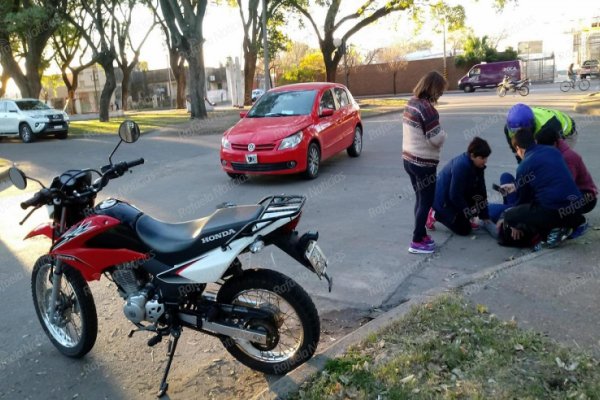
x: 580, y: 230
x: 474, y: 224
x: 430, y: 223
x: 556, y: 236
x: 421, y: 248
x: 428, y: 240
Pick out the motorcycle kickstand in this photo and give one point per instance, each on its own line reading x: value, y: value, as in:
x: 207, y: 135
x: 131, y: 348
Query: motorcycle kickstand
x: 175, y: 334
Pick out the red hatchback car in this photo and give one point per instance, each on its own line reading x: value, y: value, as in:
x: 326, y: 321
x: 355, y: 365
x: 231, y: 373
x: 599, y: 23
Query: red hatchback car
x: 291, y: 129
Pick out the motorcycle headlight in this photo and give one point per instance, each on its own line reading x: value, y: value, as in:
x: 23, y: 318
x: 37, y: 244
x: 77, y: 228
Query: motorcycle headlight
x: 225, y: 143
x: 291, y: 141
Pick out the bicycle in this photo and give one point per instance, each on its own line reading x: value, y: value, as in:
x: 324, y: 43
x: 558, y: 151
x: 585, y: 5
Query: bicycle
x: 567, y: 85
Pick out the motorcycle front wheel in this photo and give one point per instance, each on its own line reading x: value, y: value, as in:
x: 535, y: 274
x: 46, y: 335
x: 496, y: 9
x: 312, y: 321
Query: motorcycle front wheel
x: 293, y: 334
x: 524, y: 90
x: 74, y: 325
x: 501, y: 91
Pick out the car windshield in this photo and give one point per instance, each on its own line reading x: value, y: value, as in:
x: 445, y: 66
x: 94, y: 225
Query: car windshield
x: 27, y: 105
x: 283, y: 104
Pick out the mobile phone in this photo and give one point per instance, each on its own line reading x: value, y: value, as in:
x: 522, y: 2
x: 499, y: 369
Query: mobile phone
x: 499, y: 189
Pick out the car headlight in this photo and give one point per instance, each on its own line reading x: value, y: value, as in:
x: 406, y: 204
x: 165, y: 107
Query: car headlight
x: 38, y: 117
x: 225, y: 143
x: 291, y: 141
x: 65, y: 116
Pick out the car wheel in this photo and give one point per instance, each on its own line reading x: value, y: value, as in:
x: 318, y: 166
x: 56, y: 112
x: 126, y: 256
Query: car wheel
x: 313, y: 161
x: 25, y: 133
x: 62, y: 135
x: 468, y: 89
x: 356, y: 147
x: 235, y: 176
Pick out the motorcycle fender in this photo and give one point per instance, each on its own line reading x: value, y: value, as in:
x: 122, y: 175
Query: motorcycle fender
x: 295, y: 246
x: 44, y: 229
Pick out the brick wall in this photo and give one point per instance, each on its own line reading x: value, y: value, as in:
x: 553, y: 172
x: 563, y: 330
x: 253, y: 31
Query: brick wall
x: 375, y: 79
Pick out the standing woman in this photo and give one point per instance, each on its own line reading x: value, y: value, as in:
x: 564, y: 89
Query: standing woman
x: 422, y: 140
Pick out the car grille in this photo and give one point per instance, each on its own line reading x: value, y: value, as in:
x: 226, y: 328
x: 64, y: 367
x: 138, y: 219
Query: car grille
x: 259, y: 147
x: 55, y: 117
x: 260, y: 167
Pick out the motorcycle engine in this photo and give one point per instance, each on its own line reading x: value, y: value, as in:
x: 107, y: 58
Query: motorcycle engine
x: 135, y: 289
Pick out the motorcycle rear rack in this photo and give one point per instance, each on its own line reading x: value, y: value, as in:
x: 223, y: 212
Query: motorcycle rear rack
x: 274, y: 208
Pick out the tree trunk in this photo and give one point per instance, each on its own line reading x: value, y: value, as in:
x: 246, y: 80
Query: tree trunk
x: 394, y: 75
x: 197, y: 84
x: 125, y: 88
x: 178, y: 68
x: 3, y: 82
x: 249, y: 71
x: 181, y: 84
x: 109, y: 87
x: 332, y: 58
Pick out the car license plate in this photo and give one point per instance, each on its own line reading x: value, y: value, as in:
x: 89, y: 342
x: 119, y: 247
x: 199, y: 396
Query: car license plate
x: 58, y: 126
x: 315, y: 256
x: 251, y: 158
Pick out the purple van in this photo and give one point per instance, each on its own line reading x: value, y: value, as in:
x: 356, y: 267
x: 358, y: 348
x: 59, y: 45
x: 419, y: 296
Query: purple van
x: 489, y: 75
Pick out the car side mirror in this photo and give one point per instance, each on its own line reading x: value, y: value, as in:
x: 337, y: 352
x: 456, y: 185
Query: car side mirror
x: 17, y: 177
x: 327, y: 112
x: 243, y: 114
x: 129, y: 131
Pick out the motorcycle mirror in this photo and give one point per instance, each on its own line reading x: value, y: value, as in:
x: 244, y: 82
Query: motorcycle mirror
x: 129, y: 131
x: 17, y: 177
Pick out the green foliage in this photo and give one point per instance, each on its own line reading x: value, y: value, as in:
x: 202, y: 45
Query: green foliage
x: 477, y: 50
x: 311, y: 68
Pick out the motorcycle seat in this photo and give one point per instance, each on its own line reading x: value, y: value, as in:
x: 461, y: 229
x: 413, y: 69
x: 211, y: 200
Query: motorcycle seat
x: 196, y: 236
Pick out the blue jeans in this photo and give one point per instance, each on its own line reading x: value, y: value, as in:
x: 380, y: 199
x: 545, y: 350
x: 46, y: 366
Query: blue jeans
x: 423, y: 181
x: 495, y: 210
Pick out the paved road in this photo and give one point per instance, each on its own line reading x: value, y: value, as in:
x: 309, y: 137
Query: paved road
x: 361, y: 207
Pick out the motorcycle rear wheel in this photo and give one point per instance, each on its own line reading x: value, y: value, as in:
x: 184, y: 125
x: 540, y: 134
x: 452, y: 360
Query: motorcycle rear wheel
x: 74, y: 331
x: 291, y: 307
x: 524, y: 90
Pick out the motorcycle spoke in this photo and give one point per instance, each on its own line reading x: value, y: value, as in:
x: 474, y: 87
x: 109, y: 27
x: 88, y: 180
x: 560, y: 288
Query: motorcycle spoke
x: 289, y: 325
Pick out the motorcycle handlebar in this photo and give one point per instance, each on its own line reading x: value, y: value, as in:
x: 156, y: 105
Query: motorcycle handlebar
x: 38, y: 199
x: 135, y: 163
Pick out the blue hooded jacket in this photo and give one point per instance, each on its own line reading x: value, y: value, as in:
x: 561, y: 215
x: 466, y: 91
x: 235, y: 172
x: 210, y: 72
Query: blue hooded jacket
x: 543, y: 179
x: 460, y: 187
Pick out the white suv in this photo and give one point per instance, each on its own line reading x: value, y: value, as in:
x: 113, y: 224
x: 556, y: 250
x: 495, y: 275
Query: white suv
x: 29, y: 118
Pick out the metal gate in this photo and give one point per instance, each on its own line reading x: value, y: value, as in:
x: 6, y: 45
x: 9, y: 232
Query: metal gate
x: 540, y: 69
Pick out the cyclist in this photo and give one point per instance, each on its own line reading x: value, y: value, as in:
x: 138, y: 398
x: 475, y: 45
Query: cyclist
x: 572, y: 74
x: 539, y: 119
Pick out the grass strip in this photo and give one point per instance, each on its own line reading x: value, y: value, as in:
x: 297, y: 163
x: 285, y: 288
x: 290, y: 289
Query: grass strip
x: 448, y: 349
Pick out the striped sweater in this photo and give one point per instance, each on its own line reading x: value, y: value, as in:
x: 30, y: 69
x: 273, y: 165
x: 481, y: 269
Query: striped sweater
x: 422, y: 135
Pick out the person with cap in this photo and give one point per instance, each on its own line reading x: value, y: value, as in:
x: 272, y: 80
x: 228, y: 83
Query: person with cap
x: 539, y: 119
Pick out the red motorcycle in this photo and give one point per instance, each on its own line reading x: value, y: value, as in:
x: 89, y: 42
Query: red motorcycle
x: 263, y: 318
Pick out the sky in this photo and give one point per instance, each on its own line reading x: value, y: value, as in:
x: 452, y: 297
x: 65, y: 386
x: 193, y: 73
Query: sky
x: 548, y: 20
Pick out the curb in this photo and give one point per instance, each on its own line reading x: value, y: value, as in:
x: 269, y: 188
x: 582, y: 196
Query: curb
x: 283, y: 387
x: 589, y: 105
x: 4, y: 170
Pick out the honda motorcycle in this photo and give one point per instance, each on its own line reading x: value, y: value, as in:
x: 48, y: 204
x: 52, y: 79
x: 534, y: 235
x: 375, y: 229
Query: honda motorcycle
x: 521, y: 86
x: 161, y: 270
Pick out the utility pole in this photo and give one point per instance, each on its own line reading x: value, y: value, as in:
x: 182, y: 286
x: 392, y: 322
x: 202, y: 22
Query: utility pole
x: 445, y: 72
x: 266, y: 47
